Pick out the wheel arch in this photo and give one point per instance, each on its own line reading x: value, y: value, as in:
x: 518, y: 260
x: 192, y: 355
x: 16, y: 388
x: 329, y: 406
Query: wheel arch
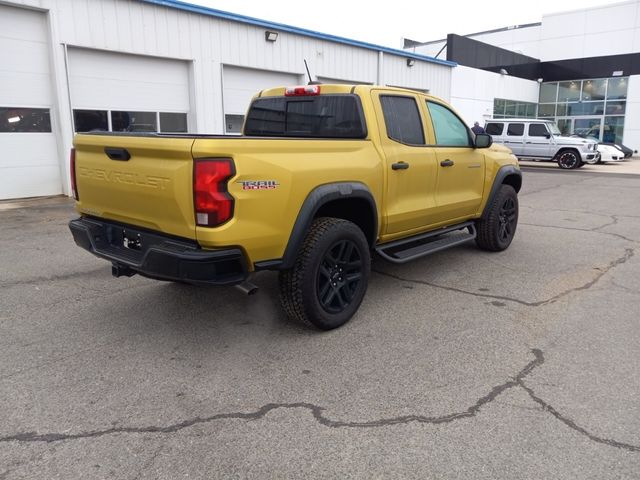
x: 350, y: 201
x: 507, y: 175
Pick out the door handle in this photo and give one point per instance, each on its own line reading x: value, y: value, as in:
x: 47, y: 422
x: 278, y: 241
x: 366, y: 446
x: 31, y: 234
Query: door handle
x: 446, y: 163
x: 399, y: 166
x: 121, y: 154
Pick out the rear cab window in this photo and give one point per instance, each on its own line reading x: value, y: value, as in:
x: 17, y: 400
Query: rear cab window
x: 321, y: 116
x: 515, y: 129
x: 402, y: 119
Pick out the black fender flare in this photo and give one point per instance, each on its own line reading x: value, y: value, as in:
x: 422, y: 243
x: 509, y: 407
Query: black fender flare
x: 504, y: 172
x: 318, y: 197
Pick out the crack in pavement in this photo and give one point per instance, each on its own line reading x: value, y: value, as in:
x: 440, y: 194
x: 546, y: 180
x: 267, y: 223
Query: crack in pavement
x: 629, y: 252
x: 318, y: 414
x: 593, y: 230
x: 315, y: 410
x: 571, y: 424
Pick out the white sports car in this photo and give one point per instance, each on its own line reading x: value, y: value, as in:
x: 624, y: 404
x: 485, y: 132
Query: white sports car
x: 609, y: 153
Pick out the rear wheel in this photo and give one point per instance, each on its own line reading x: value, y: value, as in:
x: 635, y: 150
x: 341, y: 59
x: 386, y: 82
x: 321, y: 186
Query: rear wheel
x: 496, y: 231
x: 568, y: 159
x: 328, y: 281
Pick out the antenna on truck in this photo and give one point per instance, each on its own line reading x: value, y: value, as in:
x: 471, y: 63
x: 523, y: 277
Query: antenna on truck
x: 311, y: 82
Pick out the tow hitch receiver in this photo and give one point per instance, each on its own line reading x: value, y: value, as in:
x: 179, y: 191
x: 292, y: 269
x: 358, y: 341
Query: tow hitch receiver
x: 119, y: 270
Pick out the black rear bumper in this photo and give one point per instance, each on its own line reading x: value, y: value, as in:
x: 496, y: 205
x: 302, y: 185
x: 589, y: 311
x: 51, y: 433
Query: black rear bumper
x: 133, y: 250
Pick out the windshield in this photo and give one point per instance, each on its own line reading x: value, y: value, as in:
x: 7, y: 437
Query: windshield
x: 554, y: 129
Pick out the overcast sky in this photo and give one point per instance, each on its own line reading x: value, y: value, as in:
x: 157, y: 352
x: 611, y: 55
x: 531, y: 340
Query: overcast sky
x: 422, y: 20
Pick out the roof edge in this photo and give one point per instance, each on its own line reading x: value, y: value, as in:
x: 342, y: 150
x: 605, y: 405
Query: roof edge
x: 212, y: 12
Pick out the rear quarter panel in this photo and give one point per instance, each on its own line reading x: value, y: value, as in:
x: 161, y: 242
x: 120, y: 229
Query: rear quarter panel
x: 263, y: 218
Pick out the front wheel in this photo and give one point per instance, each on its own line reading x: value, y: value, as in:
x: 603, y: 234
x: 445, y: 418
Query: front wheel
x: 497, y: 229
x: 329, y: 279
x: 568, y: 160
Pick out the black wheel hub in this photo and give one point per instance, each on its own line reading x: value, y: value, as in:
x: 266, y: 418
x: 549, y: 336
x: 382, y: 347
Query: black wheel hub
x: 568, y: 160
x: 507, y: 220
x: 339, y: 276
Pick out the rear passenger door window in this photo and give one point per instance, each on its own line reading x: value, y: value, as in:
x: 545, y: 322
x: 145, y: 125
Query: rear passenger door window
x: 538, y: 130
x: 515, y: 129
x: 448, y: 128
x: 494, y: 128
x: 402, y: 118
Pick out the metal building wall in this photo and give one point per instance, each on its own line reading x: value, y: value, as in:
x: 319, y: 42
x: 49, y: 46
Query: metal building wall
x: 208, y: 43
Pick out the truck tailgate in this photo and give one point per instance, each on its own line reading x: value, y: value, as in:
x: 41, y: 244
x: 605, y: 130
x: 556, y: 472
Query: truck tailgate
x: 151, y: 189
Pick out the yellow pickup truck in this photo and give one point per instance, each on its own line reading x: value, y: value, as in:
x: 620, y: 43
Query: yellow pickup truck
x: 322, y: 177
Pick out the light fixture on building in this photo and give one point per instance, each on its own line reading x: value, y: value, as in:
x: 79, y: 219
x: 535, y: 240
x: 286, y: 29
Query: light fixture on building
x: 410, y: 62
x: 270, y: 36
x: 617, y: 73
x: 540, y: 80
x: 503, y: 72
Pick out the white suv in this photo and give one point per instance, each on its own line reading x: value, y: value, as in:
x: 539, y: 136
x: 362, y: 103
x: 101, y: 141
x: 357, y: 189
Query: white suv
x: 541, y: 140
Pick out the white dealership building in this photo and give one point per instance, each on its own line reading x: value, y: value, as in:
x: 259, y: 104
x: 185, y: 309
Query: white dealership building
x: 169, y: 66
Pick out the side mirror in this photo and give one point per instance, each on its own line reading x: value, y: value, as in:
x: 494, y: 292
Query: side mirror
x: 547, y: 136
x: 483, y: 140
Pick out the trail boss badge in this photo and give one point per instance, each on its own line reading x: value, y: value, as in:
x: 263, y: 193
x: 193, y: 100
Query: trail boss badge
x: 259, y: 184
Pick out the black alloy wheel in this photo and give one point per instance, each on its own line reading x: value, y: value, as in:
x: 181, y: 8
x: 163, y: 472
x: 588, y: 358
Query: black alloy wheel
x: 339, y: 275
x: 507, y: 220
x: 329, y: 278
x: 497, y: 227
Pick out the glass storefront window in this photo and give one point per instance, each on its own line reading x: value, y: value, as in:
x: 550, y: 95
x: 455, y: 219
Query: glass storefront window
x: 498, y: 106
x: 587, y: 127
x: 569, y: 91
x: 564, y: 124
x: 617, y: 88
x: 616, y: 108
x: 593, y: 89
x: 546, y: 110
x: 548, y: 92
x: 613, y: 127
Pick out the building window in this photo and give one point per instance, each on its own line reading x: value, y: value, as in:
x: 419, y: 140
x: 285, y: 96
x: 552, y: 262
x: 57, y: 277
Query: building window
x: 569, y: 91
x: 90, y: 120
x: 503, y: 108
x: 617, y: 88
x: 592, y: 107
x: 593, y: 90
x: 23, y: 120
x: 548, y: 92
x: 134, y: 122
x: 129, y: 121
x: 173, y: 122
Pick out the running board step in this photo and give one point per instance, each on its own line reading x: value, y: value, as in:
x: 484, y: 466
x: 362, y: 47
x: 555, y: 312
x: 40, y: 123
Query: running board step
x: 407, y: 249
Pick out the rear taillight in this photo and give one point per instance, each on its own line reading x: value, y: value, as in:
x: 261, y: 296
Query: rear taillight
x: 72, y: 170
x: 307, y: 90
x: 212, y: 202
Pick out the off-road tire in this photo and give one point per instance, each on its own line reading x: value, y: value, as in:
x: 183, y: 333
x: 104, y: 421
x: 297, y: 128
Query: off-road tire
x: 568, y: 159
x: 300, y: 287
x: 497, y: 229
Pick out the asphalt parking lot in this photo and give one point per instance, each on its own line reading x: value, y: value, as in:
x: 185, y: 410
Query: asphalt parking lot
x: 523, y: 364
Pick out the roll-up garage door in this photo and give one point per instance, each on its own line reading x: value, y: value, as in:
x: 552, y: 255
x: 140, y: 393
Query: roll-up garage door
x: 123, y: 92
x: 29, y: 164
x: 241, y: 84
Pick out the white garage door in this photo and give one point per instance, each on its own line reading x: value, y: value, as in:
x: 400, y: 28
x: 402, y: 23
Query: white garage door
x: 29, y: 162
x: 340, y: 81
x: 241, y: 84
x: 122, y: 92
